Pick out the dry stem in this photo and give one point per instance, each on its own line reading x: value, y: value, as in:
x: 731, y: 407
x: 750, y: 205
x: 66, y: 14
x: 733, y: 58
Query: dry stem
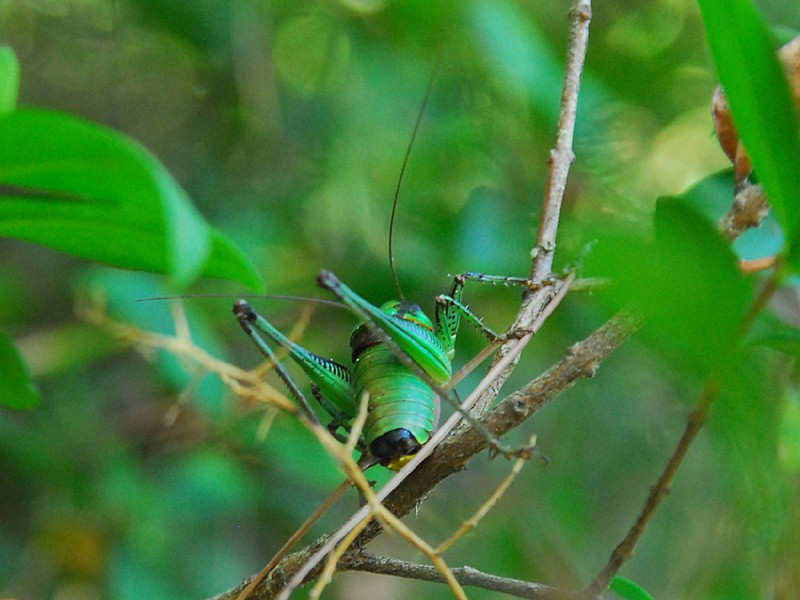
x: 561, y: 158
x: 464, y: 575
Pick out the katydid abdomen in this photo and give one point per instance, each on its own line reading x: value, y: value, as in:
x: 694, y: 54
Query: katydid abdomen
x: 402, y: 409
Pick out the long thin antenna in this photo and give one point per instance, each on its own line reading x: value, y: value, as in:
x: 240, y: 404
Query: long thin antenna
x: 420, y: 114
x: 232, y: 296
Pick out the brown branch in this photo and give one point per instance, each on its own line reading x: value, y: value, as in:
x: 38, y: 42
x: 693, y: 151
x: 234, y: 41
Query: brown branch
x: 464, y: 575
x: 561, y: 158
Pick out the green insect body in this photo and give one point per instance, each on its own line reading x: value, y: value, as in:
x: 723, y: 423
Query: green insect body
x: 402, y: 408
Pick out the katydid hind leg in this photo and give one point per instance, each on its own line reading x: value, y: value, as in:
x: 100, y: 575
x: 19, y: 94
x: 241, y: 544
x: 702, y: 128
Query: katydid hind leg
x: 247, y: 318
x: 331, y: 378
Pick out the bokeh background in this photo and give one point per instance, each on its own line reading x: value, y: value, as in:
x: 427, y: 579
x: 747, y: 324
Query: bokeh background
x: 287, y: 122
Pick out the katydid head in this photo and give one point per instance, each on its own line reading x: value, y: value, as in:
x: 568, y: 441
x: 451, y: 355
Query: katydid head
x: 364, y: 336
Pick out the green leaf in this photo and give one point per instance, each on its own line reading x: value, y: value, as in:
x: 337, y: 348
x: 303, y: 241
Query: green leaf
x: 16, y: 387
x: 91, y: 192
x: 762, y: 106
x: 686, y: 282
x: 9, y: 80
x: 629, y: 590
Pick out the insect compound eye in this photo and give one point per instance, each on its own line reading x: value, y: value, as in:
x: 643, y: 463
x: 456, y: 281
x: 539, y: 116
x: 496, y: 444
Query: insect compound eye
x: 394, y: 444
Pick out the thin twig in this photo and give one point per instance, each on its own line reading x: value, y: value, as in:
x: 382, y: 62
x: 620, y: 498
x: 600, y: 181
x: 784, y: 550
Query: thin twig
x: 624, y: 550
x: 352, y: 440
x: 484, y: 508
x: 296, y: 536
x: 561, y: 158
x: 445, y: 573
x: 246, y: 383
x: 464, y: 575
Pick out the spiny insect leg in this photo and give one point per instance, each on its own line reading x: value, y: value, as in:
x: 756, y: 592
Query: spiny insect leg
x: 249, y: 320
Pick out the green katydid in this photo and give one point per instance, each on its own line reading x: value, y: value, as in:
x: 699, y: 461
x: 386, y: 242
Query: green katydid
x: 401, y: 357
x: 403, y: 404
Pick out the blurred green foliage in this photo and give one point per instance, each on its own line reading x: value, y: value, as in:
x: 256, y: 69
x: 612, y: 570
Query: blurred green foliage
x: 79, y: 188
x: 286, y: 123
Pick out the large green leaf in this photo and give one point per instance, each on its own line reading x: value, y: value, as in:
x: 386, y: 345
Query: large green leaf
x: 762, y: 106
x: 16, y: 387
x: 685, y: 281
x: 91, y: 192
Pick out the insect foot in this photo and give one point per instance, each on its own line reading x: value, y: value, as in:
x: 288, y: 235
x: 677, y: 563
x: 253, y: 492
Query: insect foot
x: 515, y: 334
x: 524, y: 452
